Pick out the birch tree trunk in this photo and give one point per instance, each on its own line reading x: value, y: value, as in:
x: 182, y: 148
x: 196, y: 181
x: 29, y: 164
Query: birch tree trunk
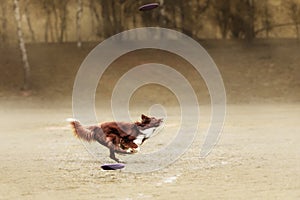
x: 26, y: 67
x: 78, y: 22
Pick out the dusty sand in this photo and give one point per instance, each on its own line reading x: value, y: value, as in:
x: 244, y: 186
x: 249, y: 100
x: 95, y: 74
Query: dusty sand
x: 257, y: 158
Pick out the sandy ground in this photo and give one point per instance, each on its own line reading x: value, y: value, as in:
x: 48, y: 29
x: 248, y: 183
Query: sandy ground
x: 258, y: 157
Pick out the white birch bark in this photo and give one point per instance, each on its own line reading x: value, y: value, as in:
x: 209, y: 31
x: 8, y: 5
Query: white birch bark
x: 26, y: 66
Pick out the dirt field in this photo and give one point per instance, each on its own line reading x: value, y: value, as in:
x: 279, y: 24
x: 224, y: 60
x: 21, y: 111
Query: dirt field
x: 257, y: 157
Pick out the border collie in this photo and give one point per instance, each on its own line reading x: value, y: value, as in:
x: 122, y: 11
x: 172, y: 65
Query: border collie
x: 119, y: 137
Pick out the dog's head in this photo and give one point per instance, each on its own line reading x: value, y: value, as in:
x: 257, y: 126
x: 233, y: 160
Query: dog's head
x: 147, y: 128
x: 149, y: 122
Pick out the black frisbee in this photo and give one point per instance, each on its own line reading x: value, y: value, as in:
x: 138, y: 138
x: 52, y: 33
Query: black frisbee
x: 112, y: 166
x: 148, y: 6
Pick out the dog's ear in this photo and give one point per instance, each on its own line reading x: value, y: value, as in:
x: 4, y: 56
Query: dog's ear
x: 144, y: 117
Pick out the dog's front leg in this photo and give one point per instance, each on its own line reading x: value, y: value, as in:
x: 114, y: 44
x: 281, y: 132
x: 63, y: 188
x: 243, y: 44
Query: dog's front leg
x: 112, y: 155
x: 112, y: 151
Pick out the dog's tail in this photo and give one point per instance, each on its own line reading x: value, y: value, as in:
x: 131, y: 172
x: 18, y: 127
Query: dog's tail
x: 81, y: 131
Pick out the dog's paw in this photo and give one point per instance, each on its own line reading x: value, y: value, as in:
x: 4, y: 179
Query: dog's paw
x: 133, y: 150
x: 122, y: 161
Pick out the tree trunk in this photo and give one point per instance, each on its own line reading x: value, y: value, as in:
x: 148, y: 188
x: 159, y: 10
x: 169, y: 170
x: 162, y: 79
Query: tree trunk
x: 249, y: 29
x: 47, y: 26
x: 116, y: 10
x: 107, y: 23
x: 162, y: 18
x: 267, y: 19
x: 3, y: 31
x: 182, y: 15
x: 91, y: 9
x: 78, y: 22
x: 294, y: 12
x: 63, y: 20
x: 26, y: 67
x: 297, y: 32
x: 115, y: 20
x: 55, y: 21
x: 27, y: 15
x: 94, y: 12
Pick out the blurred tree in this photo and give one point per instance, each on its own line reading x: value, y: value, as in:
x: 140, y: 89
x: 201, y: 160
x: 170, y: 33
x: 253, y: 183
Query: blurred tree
x: 78, y: 22
x: 107, y: 16
x: 188, y: 13
x: 294, y: 13
x: 112, y: 13
x: 130, y: 13
x: 57, y: 9
x: 177, y: 14
x: 117, y: 15
x: 54, y: 11
x: 169, y: 14
x: 266, y: 18
x: 3, y: 29
x: 63, y: 13
x: 243, y: 19
x: 27, y: 15
x: 95, y: 15
x: 47, y: 6
x: 26, y: 67
x: 235, y: 16
x: 222, y: 15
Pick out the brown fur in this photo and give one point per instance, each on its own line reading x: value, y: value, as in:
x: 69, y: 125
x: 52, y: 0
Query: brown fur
x: 117, y: 136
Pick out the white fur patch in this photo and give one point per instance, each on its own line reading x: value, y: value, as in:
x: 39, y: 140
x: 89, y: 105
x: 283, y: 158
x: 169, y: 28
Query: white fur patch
x: 133, y: 150
x: 71, y: 120
x: 139, y: 139
x: 148, y: 132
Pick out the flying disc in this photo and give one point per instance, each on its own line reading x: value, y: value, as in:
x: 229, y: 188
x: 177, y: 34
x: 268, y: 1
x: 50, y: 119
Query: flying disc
x: 148, y: 6
x: 112, y: 166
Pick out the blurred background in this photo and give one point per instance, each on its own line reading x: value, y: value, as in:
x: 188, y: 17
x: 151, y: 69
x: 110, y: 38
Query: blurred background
x: 254, y: 43
x: 52, y: 21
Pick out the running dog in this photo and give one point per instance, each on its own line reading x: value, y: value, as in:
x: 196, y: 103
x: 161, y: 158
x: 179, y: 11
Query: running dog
x: 119, y: 137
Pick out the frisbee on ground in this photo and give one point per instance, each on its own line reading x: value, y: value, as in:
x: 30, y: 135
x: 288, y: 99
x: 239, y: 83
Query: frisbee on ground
x: 148, y: 6
x: 112, y: 166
